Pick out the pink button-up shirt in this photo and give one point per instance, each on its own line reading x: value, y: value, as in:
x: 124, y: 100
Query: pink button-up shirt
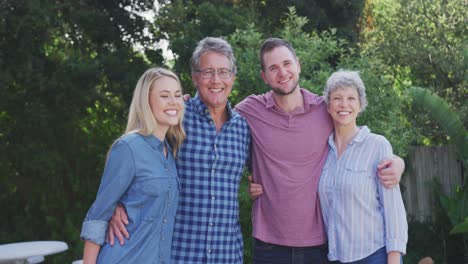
x: 288, y: 154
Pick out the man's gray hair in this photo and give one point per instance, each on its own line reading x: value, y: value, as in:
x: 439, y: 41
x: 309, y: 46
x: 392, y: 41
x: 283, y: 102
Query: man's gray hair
x: 217, y: 45
x: 343, y: 79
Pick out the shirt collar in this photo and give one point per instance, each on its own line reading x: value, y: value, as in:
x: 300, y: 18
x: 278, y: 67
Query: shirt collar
x: 310, y: 99
x: 364, y: 131
x: 155, y: 143
x: 202, y: 109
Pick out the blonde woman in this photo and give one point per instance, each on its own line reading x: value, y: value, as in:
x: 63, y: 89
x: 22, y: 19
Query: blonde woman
x: 140, y: 174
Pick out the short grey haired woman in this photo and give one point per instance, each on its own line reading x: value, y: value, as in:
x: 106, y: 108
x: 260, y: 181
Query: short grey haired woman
x: 365, y: 222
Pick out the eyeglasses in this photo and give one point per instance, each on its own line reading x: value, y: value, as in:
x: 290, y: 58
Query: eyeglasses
x: 223, y: 73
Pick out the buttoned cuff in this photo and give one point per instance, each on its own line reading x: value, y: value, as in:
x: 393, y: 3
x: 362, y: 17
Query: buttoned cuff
x: 95, y: 231
x: 396, y: 245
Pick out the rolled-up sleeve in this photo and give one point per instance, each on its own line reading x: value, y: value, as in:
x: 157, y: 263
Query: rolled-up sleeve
x: 117, y: 177
x: 396, y: 226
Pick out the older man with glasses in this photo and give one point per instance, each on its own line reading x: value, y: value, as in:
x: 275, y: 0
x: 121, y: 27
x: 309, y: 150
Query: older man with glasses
x: 210, y: 165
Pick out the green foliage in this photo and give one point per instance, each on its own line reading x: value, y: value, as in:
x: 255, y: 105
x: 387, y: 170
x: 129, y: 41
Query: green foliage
x: 455, y: 205
x: 245, y: 208
x: 460, y: 228
x: 428, y: 39
x: 321, y: 16
x: 246, y: 44
x: 442, y: 113
x: 425, y: 240
x: 68, y: 71
x: 431, y: 238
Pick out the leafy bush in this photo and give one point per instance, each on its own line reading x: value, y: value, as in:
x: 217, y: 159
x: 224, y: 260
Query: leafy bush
x: 427, y: 41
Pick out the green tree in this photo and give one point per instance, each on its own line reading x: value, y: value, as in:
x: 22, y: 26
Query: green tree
x: 321, y: 15
x: 426, y: 44
x: 68, y: 69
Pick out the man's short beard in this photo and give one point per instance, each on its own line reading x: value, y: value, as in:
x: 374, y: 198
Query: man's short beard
x: 279, y: 92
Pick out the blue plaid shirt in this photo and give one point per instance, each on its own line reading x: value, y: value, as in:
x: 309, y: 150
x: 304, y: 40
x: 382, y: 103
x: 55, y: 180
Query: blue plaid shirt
x: 210, y: 165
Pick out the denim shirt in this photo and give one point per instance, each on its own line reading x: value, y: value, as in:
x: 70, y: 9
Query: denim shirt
x: 144, y: 181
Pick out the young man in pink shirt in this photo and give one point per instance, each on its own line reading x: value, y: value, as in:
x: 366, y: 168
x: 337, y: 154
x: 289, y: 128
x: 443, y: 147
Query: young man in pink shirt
x: 290, y: 128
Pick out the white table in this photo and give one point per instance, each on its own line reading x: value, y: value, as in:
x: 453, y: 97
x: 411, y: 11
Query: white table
x: 30, y: 252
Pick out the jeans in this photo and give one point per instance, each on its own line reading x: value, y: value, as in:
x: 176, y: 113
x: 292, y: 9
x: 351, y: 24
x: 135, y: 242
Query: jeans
x: 266, y: 253
x: 378, y: 257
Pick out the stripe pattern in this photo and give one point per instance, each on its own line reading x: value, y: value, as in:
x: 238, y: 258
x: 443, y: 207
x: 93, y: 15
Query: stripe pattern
x: 360, y: 215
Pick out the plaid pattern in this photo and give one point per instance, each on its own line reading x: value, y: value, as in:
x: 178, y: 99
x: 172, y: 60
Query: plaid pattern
x: 210, y: 165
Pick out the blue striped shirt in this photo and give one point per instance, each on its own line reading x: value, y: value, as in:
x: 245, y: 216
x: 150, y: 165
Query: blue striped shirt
x: 210, y: 165
x: 360, y: 215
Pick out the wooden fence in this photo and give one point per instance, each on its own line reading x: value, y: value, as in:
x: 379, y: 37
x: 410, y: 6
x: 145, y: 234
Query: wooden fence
x: 425, y: 165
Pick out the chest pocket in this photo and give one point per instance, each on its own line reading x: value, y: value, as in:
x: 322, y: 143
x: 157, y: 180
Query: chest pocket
x: 156, y: 193
x: 361, y: 175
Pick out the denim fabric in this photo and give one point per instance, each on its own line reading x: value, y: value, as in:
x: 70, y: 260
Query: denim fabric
x: 144, y: 181
x: 210, y: 164
x: 267, y: 253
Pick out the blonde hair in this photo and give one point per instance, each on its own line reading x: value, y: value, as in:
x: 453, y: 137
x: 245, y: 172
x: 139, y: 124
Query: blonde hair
x: 140, y: 116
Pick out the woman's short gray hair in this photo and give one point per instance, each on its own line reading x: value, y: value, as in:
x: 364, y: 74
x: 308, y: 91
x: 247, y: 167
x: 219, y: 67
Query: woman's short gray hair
x: 343, y: 79
x: 217, y: 45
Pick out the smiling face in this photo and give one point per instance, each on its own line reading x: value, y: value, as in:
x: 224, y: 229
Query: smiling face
x: 213, y: 91
x: 165, y: 100
x: 281, y: 70
x: 344, y: 106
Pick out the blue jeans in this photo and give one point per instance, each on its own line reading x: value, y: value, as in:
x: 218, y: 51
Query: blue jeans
x: 378, y: 257
x: 266, y: 253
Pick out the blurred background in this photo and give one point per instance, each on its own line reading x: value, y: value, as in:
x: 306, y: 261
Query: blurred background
x: 68, y: 70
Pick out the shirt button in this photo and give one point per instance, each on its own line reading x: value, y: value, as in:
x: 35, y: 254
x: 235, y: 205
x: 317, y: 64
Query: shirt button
x: 165, y: 220
x: 210, y: 224
x: 213, y: 197
x: 209, y: 250
x: 213, y: 170
x: 162, y: 238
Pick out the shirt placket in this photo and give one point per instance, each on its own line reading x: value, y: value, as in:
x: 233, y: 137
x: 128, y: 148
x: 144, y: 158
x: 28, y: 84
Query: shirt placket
x: 333, y: 169
x: 164, y: 227
x: 213, y: 199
